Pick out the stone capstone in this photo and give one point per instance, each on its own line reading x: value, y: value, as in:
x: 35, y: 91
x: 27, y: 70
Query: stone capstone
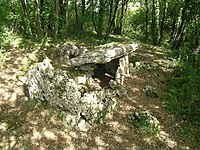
x: 103, y: 54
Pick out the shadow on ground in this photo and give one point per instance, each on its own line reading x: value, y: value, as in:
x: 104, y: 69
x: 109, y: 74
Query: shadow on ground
x: 29, y: 125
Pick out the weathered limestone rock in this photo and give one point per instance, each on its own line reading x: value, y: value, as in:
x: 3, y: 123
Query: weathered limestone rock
x: 54, y: 87
x: 149, y: 91
x: 103, y: 55
x: 44, y: 83
x: 123, y: 69
x: 71, y: 50
x: 146, y: 65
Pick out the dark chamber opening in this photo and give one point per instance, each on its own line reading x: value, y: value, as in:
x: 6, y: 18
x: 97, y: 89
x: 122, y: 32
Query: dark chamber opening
x: 106, y: 72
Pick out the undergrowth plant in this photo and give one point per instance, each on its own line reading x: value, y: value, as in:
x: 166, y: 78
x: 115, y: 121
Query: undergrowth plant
x: 183, y: 93
x: 143, y: 120
x: 182, y: 98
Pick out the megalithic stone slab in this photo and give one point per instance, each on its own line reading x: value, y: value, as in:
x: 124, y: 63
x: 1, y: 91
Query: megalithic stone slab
x: 103, y: 55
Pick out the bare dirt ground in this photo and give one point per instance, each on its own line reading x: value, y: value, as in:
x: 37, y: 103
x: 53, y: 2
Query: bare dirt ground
x: 26, y: 125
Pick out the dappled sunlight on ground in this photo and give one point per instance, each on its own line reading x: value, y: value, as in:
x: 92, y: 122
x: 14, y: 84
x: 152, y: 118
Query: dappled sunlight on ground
x: 27, y: 125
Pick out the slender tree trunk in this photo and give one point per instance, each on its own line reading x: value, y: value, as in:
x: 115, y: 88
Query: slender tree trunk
x: 174, y: 24
x: 66, y: 3
x: 180, y: 28
x: 26, y: 18
x: 163, y: 21
x: 157, y: 17
x: 56, y: 23
x: 100, y: 18
x: 76, y: 13
x: 147, y: 20
x: 153, y: 25
x: 64, y: 14
x: 37, y: 20
x: 123, y: 8
x: 112, y: 18
x: 180, y: 39
x: 93, y: 16
x: 82, y: 14
x: 41, y: 14
x: 197, y: 36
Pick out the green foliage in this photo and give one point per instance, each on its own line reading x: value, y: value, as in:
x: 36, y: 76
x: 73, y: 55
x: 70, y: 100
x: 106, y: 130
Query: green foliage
x: 8, y: 38
x: 182, y: 98
x: 136, y: 23
x: 183, y: 93
x: 4, y: 56
x: 142, y: 121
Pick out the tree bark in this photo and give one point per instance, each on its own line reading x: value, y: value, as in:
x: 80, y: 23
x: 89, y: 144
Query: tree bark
x: 174, y: 24
x: 153, y: 24
x: 37, y: 20
x: 82, y: 14
x: 163, y: 21
x: 64, y: 14
x: 147, y: 20
x: 26, y: 18
x: 76, y: 14
x: 123, y: 8
x: 93, y: 16
x: 56, y: 21
x: 112, y: 17
x: 181, y: 27
x: 100, y: 18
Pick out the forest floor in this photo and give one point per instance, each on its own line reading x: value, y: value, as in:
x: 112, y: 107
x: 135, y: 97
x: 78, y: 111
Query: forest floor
x: 28, y: 125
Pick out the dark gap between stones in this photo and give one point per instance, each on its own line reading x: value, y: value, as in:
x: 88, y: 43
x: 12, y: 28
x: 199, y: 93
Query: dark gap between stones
x: 106, y: 72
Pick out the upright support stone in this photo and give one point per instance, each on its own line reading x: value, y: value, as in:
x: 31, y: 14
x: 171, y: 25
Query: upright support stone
x: 123, y: 69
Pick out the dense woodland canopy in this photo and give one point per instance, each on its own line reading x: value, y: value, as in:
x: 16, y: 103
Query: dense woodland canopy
x: 173, y: 24
x: 173, y: 21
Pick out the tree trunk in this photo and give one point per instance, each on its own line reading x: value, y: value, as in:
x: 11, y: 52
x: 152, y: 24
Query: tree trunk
x: 197, y: 36
x: 157, y: 17
x: 100, y: 18
x: 82, y: 14
x: 153, y: 24
x: 66, y: 2
x: 76, y: 14
x: 180, y: 29
x: 147, y: 20
x: 37, y: 20
x: 41, y: 15
x: 56, y: 21
x: 112, y: 17
x: 64, y: 14
x: 174, y: 24
x: 93, y: 16
x: 163, y: 21
x: 123, y: 8
x: 25, y: 18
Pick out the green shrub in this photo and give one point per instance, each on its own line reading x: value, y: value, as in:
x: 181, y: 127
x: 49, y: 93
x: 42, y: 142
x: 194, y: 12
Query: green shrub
x: 182, y: 96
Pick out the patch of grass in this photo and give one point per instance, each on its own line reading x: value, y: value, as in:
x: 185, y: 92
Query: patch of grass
x: 4, y: 56
x: 8, y: 38
x: 182, y: 98
x: 144, y: 121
